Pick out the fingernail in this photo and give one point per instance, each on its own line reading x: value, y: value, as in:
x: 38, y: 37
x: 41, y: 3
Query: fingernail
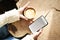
x: 26, y: 18
x: 30, y: 21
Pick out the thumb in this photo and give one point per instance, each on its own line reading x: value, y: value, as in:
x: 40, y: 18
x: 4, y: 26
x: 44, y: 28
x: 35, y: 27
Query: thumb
x: 37, y: 33
x: 22, y: 8
x: 26, y: 5
x: 23, y: 17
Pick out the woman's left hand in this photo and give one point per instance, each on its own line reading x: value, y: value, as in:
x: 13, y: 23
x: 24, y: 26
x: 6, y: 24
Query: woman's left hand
x: 20, y: 10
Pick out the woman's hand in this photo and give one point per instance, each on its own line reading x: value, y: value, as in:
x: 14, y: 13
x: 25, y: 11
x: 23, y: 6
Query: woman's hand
x: 20, y: 10
x: 35, y: 35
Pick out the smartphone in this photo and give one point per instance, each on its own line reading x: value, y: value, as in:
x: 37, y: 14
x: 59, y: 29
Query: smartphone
x: 39, y: 23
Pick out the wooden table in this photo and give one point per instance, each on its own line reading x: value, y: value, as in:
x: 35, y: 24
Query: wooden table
x: 52, y: 30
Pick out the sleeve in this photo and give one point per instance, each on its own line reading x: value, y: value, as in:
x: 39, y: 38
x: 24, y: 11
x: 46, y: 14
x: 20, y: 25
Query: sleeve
x: 28, y: 37
x: 9, y: 17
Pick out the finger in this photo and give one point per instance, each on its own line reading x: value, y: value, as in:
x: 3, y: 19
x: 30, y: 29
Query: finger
x: 23, y: 17
x: 26, y: 5
x: 22, y: 8
x: 31, y: 22
x: 29, y: 7
x: 37, y: 33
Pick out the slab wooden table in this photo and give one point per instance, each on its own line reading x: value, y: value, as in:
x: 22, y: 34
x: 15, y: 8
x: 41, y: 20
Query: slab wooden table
x: 52, y: 30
